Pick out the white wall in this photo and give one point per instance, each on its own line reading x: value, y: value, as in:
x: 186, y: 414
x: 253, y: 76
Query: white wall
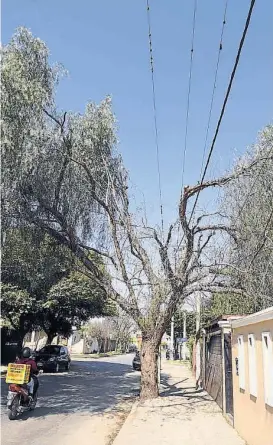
x: 78, y: 345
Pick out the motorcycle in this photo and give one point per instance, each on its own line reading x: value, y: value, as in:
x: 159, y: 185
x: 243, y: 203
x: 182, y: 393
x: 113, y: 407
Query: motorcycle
x: 18, y: 400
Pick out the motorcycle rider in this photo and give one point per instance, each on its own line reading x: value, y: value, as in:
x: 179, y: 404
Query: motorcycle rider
x: 33, y: 380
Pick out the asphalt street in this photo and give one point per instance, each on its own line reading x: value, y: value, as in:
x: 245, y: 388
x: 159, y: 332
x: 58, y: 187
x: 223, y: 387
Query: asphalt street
x: 69, y: 401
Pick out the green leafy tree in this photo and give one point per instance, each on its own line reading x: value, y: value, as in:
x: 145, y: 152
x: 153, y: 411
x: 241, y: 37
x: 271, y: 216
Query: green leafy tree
x: 248, y: 202
x: 18, y: 308
x: 179, y: 323
x: 34, y: 261
x: 41, y: 287
x: 228, y: 304
x: 70, y: 302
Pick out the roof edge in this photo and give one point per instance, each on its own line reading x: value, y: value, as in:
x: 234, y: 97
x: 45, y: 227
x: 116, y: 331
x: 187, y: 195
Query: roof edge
x: 257, y: 317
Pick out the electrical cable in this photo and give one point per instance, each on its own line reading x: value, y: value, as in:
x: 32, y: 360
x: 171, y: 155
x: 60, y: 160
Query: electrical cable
x: 155, y: 113
x: 252, y: 3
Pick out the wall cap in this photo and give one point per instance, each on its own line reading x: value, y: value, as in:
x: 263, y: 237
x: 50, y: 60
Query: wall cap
x: 257, y: 317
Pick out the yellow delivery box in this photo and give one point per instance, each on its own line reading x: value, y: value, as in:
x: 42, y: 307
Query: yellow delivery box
x: 18, y: 373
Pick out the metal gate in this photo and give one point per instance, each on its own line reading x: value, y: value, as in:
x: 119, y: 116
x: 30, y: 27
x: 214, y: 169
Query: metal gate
x: 213, y: 368
x: 228, y: 374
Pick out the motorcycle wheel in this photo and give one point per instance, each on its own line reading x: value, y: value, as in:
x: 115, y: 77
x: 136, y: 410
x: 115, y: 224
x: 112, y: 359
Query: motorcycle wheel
x: 13, y: 410
x: 32, y: 405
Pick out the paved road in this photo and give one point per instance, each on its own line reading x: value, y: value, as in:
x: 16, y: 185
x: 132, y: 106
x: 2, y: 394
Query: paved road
x: 71, y: 404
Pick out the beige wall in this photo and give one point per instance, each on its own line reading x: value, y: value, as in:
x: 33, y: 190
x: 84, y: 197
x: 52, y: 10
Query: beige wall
x: 253, y: 419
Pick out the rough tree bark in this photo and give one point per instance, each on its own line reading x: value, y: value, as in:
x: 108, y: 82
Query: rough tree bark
x: 149, y: 368
x: 50, y: 337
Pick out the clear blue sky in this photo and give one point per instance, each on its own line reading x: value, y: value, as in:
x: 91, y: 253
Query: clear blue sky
x: 104, y: 45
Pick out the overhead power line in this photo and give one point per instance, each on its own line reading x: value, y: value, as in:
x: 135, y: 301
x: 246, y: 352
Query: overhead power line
x: 214, y: 83
x: 252, y: 3
x: 189, y: 92
x: 155, y: 112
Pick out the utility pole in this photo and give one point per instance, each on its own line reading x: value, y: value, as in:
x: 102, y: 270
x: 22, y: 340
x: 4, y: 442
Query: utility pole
x: 172, y: 339
x: 184, y: 335
x: 198, y: 349
x: 198, y: 311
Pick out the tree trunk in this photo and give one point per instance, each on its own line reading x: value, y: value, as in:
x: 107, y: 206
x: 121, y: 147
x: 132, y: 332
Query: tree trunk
x: 149, y: 370
x: 50, y: 337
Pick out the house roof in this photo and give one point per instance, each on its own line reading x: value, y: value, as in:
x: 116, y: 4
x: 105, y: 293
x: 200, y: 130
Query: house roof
x: 222, y: 319
x: 257, y: 317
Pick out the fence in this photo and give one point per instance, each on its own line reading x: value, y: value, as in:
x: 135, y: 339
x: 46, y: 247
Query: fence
x: 216, y: 364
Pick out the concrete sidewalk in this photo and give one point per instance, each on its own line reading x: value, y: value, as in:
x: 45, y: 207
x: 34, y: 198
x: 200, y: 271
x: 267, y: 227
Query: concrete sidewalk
x: 181, y: 416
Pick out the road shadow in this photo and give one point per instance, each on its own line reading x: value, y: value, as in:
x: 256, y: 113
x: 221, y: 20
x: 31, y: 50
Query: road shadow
x: 89, y: 387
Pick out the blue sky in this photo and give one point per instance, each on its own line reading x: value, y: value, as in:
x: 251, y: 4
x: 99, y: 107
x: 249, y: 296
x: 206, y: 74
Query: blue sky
x: 104, y: 46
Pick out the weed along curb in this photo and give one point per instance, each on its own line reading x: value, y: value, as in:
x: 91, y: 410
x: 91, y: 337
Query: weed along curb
x: 118, y: 439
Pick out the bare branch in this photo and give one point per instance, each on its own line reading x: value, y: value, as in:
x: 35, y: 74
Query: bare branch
x: 169, y: 236
x: 206, y: 215
x: 52, y: 117
x: 99, y: 252
x: 213, y: 228
x: 216, y: 287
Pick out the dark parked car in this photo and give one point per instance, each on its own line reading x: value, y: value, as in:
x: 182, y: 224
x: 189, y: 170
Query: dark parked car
x: 53, y: 358
x: 136, y: 362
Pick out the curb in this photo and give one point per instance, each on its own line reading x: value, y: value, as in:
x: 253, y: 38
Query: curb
x: 128, y: 420
x: 91, y: 357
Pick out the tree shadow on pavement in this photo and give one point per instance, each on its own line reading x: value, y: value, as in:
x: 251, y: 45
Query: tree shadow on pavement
x: 186, y: 392
x: 171, y: 389
x: 87, y: 388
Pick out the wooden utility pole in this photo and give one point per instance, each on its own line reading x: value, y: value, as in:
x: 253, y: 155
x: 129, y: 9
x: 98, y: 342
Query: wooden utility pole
x: 198, y: 348
x: 172, y: 339
x: 184, y: 335
x: 198, y: 311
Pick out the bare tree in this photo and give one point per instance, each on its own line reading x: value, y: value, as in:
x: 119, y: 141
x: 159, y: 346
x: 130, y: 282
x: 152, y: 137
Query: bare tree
x: 99, y: 330
x: 68, y: 179
x: 122, y: 328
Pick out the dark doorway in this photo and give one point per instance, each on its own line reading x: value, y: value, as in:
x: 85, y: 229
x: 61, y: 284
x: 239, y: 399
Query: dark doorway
x: 228, y: 374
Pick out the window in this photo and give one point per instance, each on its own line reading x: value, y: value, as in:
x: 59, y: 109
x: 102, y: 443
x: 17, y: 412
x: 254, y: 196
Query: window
x: 252, y: 365
x: 50, y: 349
x: 268, y: 367
x: 241, y: 361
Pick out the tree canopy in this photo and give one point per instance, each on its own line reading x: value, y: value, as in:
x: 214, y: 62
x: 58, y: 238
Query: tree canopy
x: 42, y: 287
x: 248, y: 203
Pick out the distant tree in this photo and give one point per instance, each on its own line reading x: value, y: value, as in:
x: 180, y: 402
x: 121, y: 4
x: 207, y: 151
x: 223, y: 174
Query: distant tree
x: 97, y: 329
x: 179, y: 323
x: 228, y: 304
x: 122, y: 328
